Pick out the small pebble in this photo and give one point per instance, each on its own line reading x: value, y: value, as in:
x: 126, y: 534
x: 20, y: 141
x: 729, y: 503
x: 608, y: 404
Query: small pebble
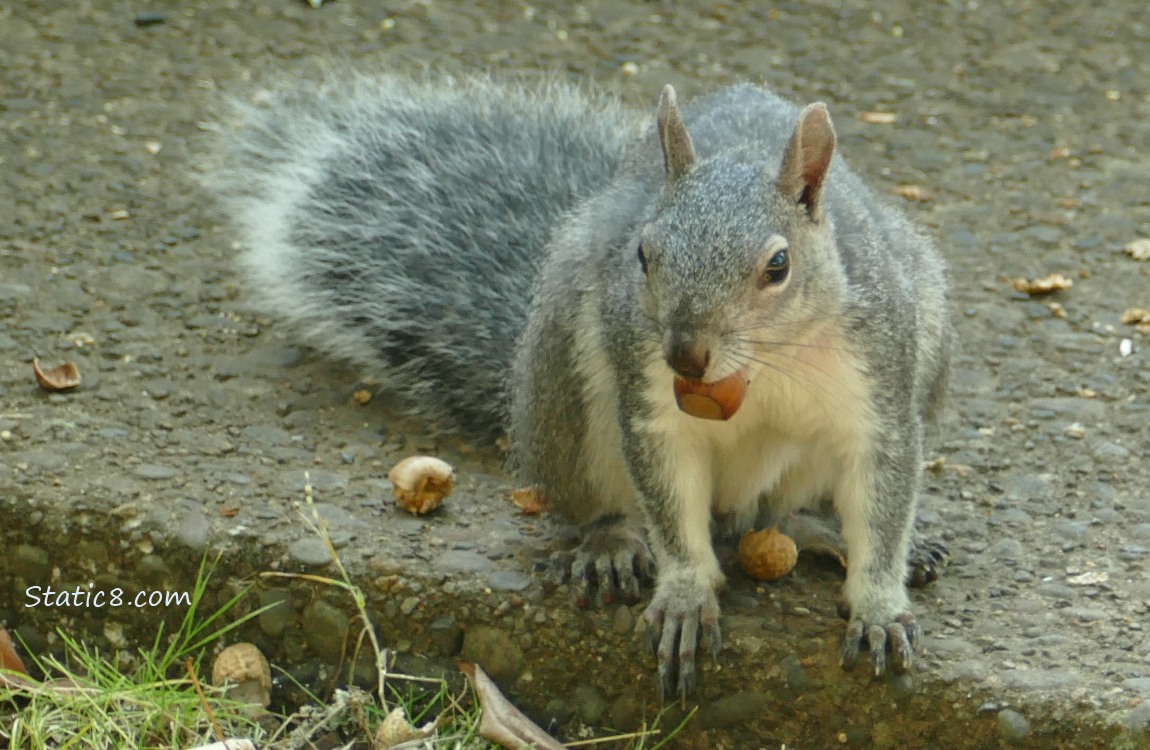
x: 496, y: 650
x: 622, y: 621
x: 1138, y: 718
x: 149, y: 19
x: 1014, y: 726
x: 1009, y: 549
x: 590, y: 704
x: 155, y: 471
x: 325, y: 629
x: 509, y: 580
x: 193, y: 530
x: 274, y: 620
x: 902, y: 686
x: 309, y: 551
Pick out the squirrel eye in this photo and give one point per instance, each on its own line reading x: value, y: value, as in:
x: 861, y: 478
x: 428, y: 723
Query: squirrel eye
x: 642, y: 259
x: 777, y: 269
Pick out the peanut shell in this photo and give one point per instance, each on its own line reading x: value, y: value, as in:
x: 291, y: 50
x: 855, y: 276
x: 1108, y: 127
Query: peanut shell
x: 245, y: 670
x: 421, y: 483
x: 767, y: 555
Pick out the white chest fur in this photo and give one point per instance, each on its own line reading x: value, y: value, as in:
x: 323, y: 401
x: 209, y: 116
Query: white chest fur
x: 806, y: 417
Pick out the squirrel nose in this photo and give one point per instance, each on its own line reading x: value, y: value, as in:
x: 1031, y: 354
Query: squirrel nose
x: 687, y: 354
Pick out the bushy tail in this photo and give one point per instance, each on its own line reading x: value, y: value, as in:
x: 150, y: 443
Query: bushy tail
x: 400, y: 224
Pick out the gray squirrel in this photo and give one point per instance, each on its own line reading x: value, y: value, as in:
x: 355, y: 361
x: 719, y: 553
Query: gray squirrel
x: 700, y: 324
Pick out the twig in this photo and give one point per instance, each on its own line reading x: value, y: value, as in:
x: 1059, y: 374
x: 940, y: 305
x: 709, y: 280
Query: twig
x: 203, y: 699
x: 637, y: 735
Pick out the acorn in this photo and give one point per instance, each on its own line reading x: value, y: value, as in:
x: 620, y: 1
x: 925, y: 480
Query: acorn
x: 767, y: 555
x: 718, y: 400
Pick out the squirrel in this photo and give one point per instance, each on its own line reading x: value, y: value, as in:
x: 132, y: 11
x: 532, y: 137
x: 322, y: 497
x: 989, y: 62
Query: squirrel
x: 699, y: 324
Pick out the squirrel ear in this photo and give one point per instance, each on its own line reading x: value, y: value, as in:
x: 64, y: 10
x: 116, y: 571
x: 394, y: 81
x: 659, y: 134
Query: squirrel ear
x: 808, y: 157
x: 678, y: 151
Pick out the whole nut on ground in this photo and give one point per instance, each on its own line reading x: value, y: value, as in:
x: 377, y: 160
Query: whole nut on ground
x: 767, y: 555
x: 421, y: 483
x: 244, y: 671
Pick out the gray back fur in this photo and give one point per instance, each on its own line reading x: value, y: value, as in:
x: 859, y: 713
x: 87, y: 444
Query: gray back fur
x: 400, y: 224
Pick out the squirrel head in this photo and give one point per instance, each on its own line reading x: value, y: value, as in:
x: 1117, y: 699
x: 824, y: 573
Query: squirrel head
x: 738, y: 255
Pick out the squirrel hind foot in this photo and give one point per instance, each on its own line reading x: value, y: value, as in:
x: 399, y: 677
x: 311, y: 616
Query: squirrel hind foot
x: 814, y: 532
x: 611, y: 563
x: 925, y: 563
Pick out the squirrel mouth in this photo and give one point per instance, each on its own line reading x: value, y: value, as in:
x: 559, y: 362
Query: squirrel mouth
x: 718, y: 400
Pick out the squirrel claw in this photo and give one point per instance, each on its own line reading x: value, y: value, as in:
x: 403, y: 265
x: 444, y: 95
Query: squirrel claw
x: 612, y: 562
x: 902, y: 637
x: 673, y: 628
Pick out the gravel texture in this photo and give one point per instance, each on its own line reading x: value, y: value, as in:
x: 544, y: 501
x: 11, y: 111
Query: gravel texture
x: 1027, y: 126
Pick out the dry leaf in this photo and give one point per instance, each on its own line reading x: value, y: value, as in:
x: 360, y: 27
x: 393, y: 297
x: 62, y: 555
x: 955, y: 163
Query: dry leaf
x: 62, y: 378
x: 421, y: 483
x: 1139, y: 249
x: 9, y: 659
x: 941, y: 465
x: 14, y: 676
x: 879, y: 118
x: 530, y: 500
x: 502, y: 722
x: 914, y: 193
x: 230, y: 512
x: 767, y: 555
x: 395, y: 729
x: 362, y: 396
x: 1055, y: 282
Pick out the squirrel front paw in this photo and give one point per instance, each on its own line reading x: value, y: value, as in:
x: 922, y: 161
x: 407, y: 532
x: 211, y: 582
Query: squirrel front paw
x: 899, y: 634
x: 613, y: 557
x: 682, y: 610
